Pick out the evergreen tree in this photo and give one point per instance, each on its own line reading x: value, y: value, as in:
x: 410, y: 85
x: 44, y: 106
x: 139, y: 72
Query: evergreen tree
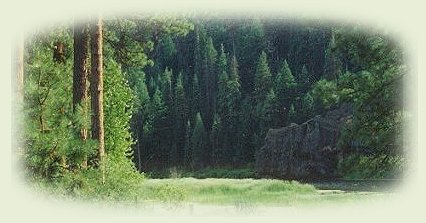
x: 208, y: 84
x: 249, y: 43
x: 96, y: 91
x: 159, y: 148
x: 181, y: 117
x: 272, y: 112
x: 246, y: 130
x: 333, y: 65
x: 263, y: 85
x: 199, y: 143
x: 195, y: 103
x: 233, y: 70
x: 165, y: 82
x: 222, y: 93
x: 217, y: 141
x: 305, y: 80
x: 233, y: 103
x: 80, y: 77
x: 139, y: 122
x: 284, y: 86
x: 222, y: 62
x: 307, y: 107
x: 188, y: 146
x: 263, y: 79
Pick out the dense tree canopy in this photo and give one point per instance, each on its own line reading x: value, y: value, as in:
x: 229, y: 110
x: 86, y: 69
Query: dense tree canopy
x: 188, y: 93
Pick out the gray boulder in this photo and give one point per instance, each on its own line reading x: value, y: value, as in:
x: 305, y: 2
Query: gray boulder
x: 305, y: 151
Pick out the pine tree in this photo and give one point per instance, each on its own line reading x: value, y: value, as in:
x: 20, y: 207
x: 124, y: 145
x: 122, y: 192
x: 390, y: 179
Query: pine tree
x: 80, y: 77
x: 181, y: 116
x: 307, y: 107
x: 166, y: 86
x: 96, y: 89
x: 222, y: 94
x: 233, y: 103
x: 195, y: 103
x: 233, y: 70
x: 263, y: 79
x: 305, y: 80
x: 199, y: 144
x: 246, y: 133
x: 208, y: 84
x: 188, y: 146
x: 217, y: 141
x: 332, y: 65
x: 160, y: 128
x: 250, y: 42
x: 222, y: 62
x: 140, y: 125
x: 272, y: 113
x: 284, y: 86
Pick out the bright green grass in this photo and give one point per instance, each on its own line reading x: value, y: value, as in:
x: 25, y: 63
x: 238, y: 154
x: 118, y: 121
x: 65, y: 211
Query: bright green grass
x: 243, y: 191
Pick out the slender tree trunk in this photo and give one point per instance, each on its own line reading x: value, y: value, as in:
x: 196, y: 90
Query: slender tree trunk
x: 80, y: 83
x: 96, y: 88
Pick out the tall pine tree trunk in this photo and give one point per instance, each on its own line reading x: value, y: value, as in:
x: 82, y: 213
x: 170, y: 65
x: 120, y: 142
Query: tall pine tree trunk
x: 96, y: 90
x: 80, y: 76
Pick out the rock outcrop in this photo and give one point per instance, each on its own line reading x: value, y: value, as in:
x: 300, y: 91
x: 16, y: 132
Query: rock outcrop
x: 305, y: 151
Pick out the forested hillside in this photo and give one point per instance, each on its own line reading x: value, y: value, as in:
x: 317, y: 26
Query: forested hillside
x: 151, y: 94
x: 214, y: 92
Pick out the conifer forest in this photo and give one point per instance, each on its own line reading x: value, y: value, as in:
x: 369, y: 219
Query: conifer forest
x: 111, y: 103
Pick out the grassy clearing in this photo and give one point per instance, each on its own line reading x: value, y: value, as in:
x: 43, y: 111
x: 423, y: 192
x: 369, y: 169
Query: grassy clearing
x: 244, y: 191
x: 210, y: 191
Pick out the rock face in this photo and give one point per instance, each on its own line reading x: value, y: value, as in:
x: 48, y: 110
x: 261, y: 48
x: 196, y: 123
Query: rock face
x: 305, y: 151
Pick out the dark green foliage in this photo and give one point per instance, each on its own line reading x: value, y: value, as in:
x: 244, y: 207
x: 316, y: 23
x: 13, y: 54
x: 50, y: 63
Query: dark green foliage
x: 180, y: 128
x: 325, y: 95
x: 272, y: 111
x: 285, y: 89
x: 208, y: 84
x: 190, y: 94
x: 53, y: 147
x: 263, y: 79
x: 199, y: 143
x: 307, y: 108
x: 248, y: 41
x: 48, y: 108
x: 240, y: 173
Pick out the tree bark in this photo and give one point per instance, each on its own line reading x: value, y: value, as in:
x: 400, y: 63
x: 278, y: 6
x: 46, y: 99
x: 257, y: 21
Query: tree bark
x: 96, y: 88
x: 80, y: 75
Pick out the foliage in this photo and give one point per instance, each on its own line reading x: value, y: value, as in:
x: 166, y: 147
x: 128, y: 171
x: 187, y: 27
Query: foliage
x: 54, y: 149
x: 373, y: 86
x: 187, y: 94
x: 325, y: 95
x: 199, y: 140
x: 48, y: 107
x: 240, y: 173
x: 371, y: 167
x: 263, y: 79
